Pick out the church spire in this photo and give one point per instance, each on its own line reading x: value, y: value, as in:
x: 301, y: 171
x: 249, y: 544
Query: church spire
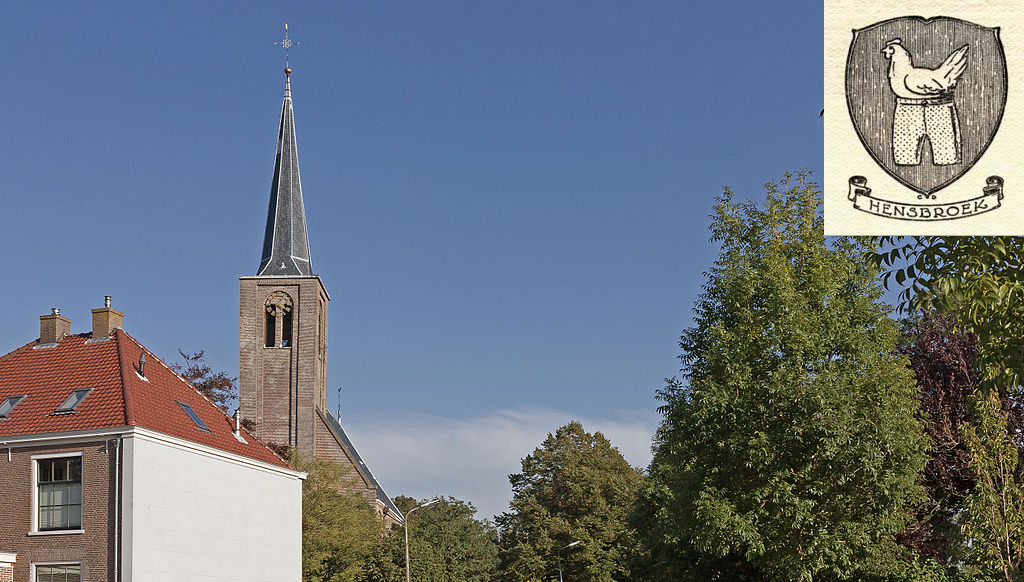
x: 285, y: 244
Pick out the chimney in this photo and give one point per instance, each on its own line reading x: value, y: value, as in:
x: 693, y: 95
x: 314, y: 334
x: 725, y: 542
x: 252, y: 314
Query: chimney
x: 53, y: 327
x: 105, y: 320
x: 238, y: 426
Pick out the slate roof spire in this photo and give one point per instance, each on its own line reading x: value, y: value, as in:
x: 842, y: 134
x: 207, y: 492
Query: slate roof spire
x: 285, y: 244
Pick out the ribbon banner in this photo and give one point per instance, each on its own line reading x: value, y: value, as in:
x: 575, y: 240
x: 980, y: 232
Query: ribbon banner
x: 990, y: 198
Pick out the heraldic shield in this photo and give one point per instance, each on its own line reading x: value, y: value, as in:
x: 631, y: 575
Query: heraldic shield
x: 926, y: 96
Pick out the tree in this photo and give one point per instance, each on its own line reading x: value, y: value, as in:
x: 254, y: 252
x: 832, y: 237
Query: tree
x: 944, y: 363
x: 219, y: 387
x: 978, y: 280
x: 993, y: 520
x: 791, y: 449
x: 575, y: 487
x: 446, y: 544
x: 340, y: 532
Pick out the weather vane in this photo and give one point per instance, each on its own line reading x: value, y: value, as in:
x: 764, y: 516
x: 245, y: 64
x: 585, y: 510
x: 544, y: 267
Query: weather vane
x: 287, y: 43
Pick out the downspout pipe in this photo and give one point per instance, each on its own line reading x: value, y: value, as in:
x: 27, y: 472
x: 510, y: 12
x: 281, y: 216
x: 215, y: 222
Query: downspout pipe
x: 117, y: 509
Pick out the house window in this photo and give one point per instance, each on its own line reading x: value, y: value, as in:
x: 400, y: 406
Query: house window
x: 59, y: 493
x: 9, y: 403
x: 59, y: 573
x: 195, y: 417
x: 74, y: 400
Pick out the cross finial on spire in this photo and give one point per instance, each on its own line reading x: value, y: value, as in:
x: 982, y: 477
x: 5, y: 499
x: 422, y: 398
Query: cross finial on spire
x: 287, y: 43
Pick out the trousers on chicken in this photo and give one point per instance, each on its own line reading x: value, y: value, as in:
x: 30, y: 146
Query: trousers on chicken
x: 917, y: 119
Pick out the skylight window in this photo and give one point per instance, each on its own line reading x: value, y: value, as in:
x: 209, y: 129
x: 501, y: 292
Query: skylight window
x: 9, y: 403
x: 195, y: 417
x: 74, y: 400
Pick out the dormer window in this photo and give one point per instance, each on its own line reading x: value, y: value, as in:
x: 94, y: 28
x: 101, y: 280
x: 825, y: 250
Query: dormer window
x: 195, y: 417
x: 9, y: 403
x: 74, y: 400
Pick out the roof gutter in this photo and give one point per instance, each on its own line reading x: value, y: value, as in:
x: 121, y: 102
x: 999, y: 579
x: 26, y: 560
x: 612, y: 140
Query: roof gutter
x: 74, y: 435
x: 129, y: 431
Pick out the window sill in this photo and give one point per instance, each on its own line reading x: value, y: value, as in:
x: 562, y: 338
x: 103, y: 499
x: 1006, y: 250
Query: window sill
x: 56, y: 532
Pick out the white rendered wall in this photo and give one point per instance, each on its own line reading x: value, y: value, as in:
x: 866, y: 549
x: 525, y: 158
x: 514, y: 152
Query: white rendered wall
x: 190, y: 516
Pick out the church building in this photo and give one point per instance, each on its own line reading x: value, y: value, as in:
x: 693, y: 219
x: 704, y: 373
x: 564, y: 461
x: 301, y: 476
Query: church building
x: 283, y: 333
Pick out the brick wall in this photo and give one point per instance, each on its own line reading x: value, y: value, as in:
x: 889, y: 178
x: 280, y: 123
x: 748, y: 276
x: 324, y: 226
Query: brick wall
x: 94, y: 547
x: 274, y: 419
x: 6, y: 572
x: 281, y: 388
x: 327, y: 447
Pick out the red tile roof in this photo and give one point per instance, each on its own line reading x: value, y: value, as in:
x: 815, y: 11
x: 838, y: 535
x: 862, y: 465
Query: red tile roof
x: 120, y: 396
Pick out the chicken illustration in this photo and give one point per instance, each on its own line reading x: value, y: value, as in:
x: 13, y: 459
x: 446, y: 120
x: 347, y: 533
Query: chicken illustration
x: 925, y: 107
x: 910, y: 82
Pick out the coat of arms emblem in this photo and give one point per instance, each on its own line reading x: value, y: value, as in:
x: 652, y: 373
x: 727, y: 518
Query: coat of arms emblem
x: 926, y: 97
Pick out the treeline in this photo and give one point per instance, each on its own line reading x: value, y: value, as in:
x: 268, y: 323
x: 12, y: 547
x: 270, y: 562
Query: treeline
x: 570, y: 510
x: 810, y: 435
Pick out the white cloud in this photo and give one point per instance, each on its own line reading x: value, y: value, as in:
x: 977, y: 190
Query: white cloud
x: 424, y: 455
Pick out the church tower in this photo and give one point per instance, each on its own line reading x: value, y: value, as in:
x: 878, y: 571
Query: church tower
x: 282, y: 332
x: 283, y: 313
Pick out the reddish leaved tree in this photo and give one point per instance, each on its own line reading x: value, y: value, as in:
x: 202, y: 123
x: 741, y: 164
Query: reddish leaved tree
x: 944, y: 363
x: 944, y: 360
x: 219, y: 387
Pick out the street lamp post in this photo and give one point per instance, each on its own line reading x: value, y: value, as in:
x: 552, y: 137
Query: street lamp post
x: 406, y: 520
x: 576, y: 543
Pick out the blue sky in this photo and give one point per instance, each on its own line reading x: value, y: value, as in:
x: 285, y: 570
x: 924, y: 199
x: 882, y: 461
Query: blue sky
x: 507, y: 201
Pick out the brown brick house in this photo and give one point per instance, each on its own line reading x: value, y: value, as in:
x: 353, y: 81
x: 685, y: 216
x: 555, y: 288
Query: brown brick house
x: 113, y: 468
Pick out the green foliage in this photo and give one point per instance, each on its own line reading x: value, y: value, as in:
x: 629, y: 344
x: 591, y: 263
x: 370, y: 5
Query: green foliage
x: 575, y: 487
x: 340, y: 532
x: 980, y: 280
x: 792, y: 448
x: 446, y: 544
x: 930, y: 571
x: 384, y: 564
x: 993, y: 519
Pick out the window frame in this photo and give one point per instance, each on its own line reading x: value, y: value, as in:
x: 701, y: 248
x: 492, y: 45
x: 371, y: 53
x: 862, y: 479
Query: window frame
x: 194, y: 417
x: 34, y: 573
x: 20, y: 399
x: 64, y: 409
x: 35, y: 498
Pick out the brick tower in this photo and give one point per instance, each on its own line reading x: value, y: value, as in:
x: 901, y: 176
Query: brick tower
x: 282, y: 329
x: 283, y: 313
